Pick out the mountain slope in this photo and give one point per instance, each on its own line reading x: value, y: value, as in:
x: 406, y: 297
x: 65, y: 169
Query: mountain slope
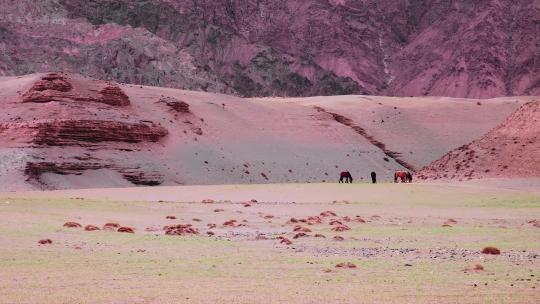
x: 477, y: 49
x: 512, y: 149
x: 69, y: 131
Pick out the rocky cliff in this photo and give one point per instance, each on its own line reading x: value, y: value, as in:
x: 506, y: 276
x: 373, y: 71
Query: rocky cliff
x: 460, y: 48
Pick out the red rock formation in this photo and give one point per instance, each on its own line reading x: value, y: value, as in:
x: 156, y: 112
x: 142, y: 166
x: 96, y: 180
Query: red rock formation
x: 34, y: 170
x: 175, y: 104
x: 83, y: 132
x: 56, y: 87
x: 113, y: 96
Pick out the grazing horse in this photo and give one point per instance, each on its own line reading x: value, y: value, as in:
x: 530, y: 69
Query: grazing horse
x: 345, y: 175
x: 401, y: 175
x: 409, y: 177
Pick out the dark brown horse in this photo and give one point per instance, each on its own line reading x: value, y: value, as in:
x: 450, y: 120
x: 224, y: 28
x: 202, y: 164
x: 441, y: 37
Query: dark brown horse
x: 346, y: 177
x: 404, y: 177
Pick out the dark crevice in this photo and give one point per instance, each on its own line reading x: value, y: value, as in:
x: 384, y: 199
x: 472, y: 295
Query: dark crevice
x: 361, y: 131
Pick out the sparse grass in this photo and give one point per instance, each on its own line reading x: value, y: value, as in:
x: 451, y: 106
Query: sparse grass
x: 143, y: 267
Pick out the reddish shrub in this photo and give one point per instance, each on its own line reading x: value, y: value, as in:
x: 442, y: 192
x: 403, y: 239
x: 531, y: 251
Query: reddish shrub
x: 247, y: 205
x: 335, y: 222
x: 230, y: 223
x: 210, y: 233
x: 91, y: 228
x: 338, y: 238
x: 358, y: 219
x: 111, y: 226
x: 285, y: 241
x: 45, y: 241
x: 314, y: 220
x: 346, y: 219
x: 327, y: 213
x: 293, y: 220
x: 341, y: 228
x: 170, y: 217
x: 450, y: 221
x: 491, y: 250
x: 346, y: 265
x: 180, y: 229
x: 318, y: 235
x: 478, y: 267
x: 207, y: 201
x: 301, y: 229
x: 211, y: 226
x: 267, y: 217
x: 72, y: 225
x: 126, y: 230
x: 299, y: 235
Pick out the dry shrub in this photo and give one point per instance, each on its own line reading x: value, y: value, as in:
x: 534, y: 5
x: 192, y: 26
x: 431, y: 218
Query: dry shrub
x: 478, y: 267
x: 219, y: 210
x: 267, y: 217
x: 327, y: 213
x: 301, y: 229
x: 335, y: 222
x: 111, y: 226
x: 314, y: 220
x: 318, y: 235
x: 91, y: 228
x: 210, y: 233
x: 341, y: 228
x: 446, y: 225
x: 180, y: 229
x: 338, y: 238
x: 72, y: 225
x: 299, y: 235
x: 207, y: 201
x: 247, y: 205
x: 491, y: 250
x: 126, y: 230
x: 170, y: 217
x: 359, y: 219
x: 346, y: 265
x: 196, y: 220
x: 285, y: 241
x: 45, y: 241
x: 230, y: 223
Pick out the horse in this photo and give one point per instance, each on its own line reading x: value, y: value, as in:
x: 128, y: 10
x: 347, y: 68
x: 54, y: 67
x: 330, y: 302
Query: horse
x: 401, y: 175
x: 409, y: 177
x: 374, y: 177
x: 345, y: 175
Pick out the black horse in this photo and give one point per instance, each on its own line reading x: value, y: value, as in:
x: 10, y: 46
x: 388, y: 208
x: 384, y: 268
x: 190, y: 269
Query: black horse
x: 346, y: 177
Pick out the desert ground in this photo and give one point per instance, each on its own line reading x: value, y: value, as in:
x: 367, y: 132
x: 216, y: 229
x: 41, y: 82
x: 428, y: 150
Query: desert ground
x: 405, y: 243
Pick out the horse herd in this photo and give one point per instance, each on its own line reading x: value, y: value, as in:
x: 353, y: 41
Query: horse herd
x: 399, y: 176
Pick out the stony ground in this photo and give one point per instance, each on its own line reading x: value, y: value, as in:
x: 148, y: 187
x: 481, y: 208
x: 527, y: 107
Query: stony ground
x: 371, y: 244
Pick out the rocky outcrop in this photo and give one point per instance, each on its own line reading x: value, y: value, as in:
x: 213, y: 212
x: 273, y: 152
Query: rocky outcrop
x: 34, y: 171
x: 82, y: 132
x: 114, y: 96
x: 56, y: 87
x: 509, y: 150
x: 175, y: 104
